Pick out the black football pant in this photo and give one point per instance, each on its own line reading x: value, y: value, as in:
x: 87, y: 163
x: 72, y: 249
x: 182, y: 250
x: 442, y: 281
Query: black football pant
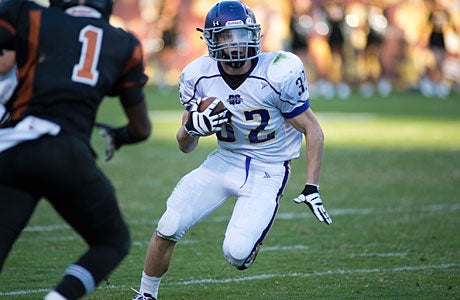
x: 63, y: 170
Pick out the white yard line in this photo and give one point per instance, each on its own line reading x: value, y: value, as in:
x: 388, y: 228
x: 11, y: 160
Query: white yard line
x: 286, y: 216
x: 391, y: 254
x: 263, y: 277
x: 328, y: 272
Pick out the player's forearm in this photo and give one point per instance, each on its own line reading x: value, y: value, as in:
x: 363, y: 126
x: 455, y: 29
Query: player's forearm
x: 139, y: 126
x: 315, y: 142
x: 186, y: 142
x: 7, y: 61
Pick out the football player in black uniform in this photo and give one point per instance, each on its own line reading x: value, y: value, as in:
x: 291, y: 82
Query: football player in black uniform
x: 68, y: 57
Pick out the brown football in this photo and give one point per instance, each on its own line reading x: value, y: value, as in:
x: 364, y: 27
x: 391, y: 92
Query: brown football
x: 206, y: 101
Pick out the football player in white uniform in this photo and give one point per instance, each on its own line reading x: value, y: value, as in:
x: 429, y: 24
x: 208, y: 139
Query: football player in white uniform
x: 8, y: 78
x: 260, y: 132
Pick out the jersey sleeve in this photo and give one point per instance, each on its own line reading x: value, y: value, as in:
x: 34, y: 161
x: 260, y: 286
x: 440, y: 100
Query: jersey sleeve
x: 287, y: 72
x: 132, y: 75
x: 10, y: 14
x: 190, y: 89
x: 186, y: 88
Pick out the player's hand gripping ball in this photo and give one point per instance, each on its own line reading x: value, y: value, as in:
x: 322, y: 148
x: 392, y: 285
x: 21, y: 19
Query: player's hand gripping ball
x: 207, y: 117
x: 206, y: 101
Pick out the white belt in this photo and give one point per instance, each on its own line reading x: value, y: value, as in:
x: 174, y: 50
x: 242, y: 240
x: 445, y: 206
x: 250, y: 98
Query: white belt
x: 30, y: 128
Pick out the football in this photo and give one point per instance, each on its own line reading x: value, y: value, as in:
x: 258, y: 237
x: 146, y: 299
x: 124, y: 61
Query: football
x: 206, y: 101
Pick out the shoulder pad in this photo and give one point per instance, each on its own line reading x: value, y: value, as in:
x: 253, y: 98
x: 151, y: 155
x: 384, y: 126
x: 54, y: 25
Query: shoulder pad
x: 283, y: 65
x: 197, y: 68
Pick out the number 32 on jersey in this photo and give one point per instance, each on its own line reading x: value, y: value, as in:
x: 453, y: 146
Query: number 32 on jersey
x: 255, y: 136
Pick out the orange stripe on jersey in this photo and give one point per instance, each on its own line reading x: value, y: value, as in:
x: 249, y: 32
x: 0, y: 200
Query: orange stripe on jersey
x: 27, y: 72
x: 8, y: 27
x: 135, y: 59
x: 128, y: 85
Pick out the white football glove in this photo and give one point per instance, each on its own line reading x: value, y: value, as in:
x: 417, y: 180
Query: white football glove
x: 107, y: 132
x: 2, y: 111
x: 203, y: 123
x: 311, y: 197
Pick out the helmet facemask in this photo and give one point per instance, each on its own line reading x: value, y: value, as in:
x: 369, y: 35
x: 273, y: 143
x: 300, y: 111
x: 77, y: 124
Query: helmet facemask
x: 233, y: 44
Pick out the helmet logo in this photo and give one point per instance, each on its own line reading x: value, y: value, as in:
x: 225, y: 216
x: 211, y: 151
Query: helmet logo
x: 215, y: 23
x: 249, y: 21
x: 232, y: 23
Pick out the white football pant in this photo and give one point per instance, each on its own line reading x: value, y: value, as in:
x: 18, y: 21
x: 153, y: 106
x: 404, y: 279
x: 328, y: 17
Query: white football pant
x: 257, y: 186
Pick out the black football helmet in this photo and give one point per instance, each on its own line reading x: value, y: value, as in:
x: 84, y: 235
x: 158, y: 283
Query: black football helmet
x: 232, y: 33
x: 103, y: 6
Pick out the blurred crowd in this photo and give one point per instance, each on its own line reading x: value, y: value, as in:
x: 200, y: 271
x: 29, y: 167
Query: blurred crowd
x: 374, y: 47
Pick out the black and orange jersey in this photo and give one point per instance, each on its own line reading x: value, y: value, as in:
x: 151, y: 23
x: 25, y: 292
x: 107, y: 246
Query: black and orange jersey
x: 68, y: 62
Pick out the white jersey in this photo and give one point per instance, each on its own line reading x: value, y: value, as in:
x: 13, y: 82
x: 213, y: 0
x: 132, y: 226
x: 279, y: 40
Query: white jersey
x: 8, y: 83
x: 274, y: 90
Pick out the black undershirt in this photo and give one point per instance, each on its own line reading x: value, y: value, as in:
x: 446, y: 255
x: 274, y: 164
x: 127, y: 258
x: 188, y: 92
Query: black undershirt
x: 234, y: 81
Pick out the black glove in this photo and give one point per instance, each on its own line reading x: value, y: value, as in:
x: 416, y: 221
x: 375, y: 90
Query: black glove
x: 114, y: 138
x: 311, y: 197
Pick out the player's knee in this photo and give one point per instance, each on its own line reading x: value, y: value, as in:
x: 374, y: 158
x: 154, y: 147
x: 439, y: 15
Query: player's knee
x: 122, y: 241
x: 237, y: 250
x: 115, y: 238
x: 169, y: 226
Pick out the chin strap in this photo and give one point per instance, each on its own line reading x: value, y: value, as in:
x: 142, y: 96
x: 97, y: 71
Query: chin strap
x: 235, y: 64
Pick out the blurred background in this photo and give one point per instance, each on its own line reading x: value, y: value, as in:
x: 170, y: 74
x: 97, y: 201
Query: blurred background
x: 372, y: 47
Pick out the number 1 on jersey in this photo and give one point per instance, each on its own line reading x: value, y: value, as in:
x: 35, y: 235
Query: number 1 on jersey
x: 86, y: 70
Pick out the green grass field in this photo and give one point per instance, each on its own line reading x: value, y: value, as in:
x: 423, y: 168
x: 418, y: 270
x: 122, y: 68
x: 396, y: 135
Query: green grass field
x: 390, y: 181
